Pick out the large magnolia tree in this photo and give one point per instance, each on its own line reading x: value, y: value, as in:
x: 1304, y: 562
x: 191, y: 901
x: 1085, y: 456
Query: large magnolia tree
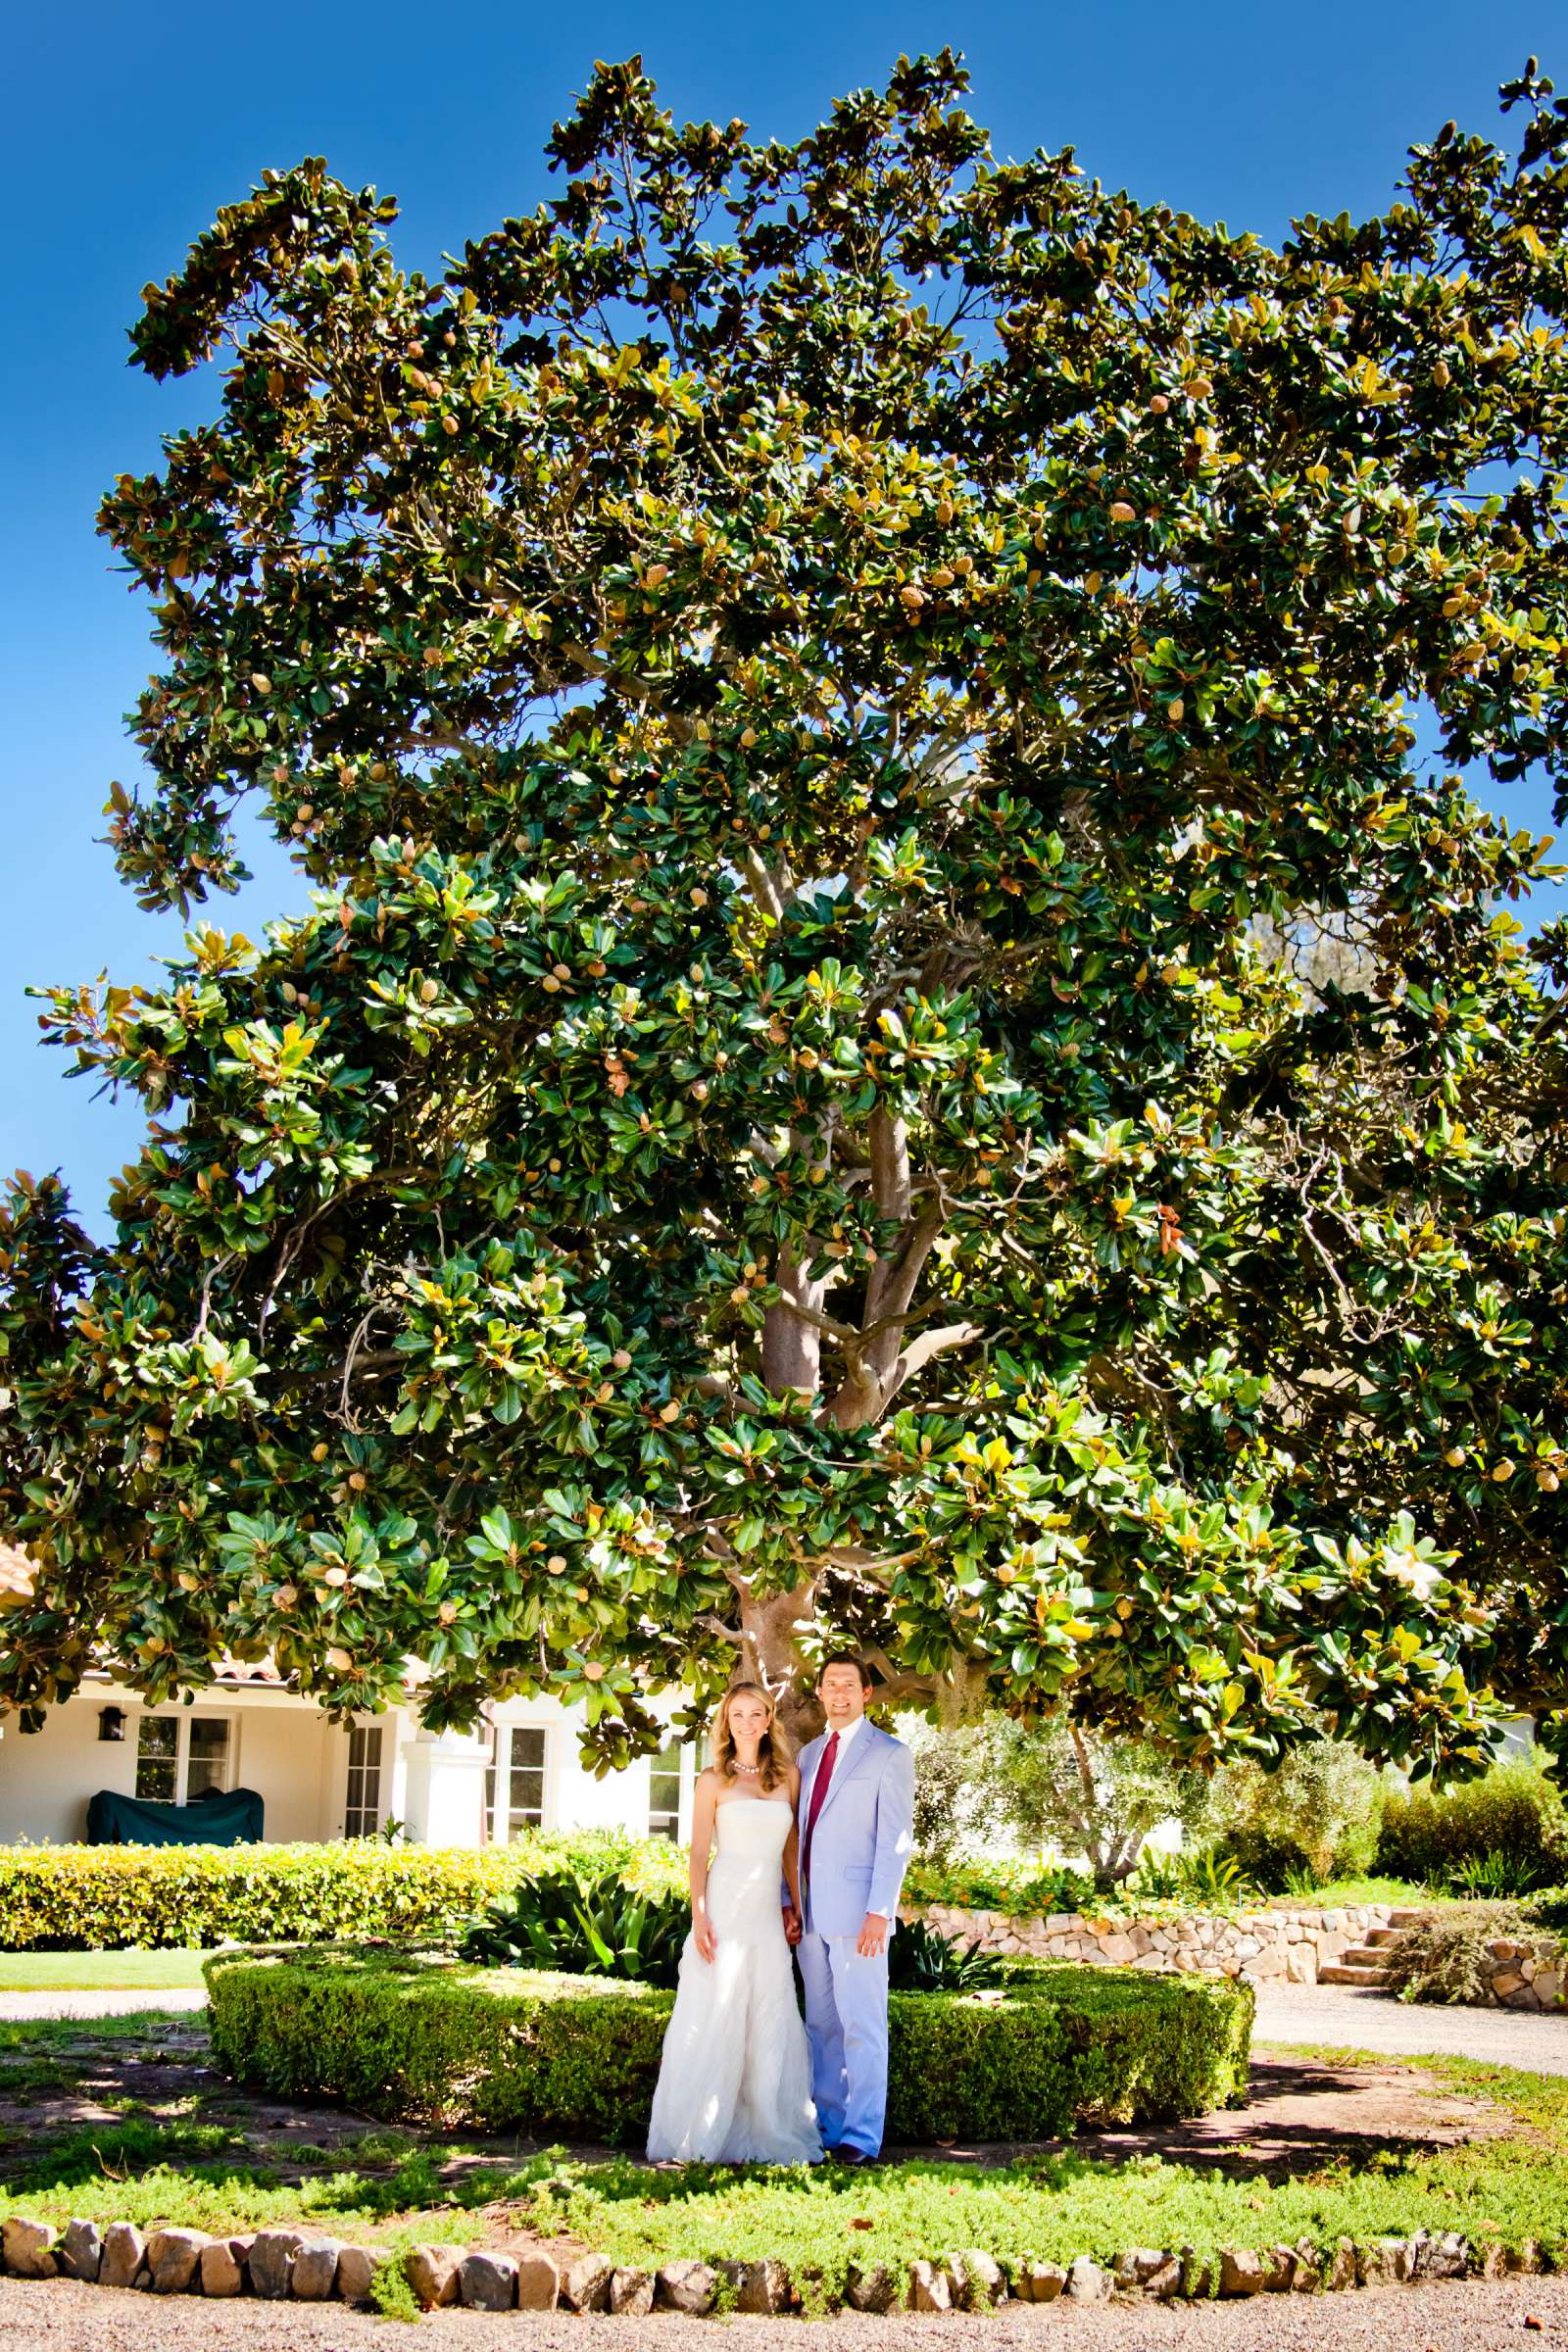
x: 887, y: 1034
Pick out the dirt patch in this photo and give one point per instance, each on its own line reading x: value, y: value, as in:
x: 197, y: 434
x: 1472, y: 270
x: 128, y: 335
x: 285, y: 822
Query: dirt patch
x: 1299, y: 2116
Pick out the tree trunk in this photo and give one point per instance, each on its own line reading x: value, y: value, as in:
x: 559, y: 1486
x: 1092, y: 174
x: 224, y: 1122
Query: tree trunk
x: 768, y: 1656
x: 792, y: 1348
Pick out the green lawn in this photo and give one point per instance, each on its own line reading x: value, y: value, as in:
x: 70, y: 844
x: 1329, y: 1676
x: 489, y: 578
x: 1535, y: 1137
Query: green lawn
x: 1399, y: 1893
x: 97, y: 1972
x: 210, y: 2170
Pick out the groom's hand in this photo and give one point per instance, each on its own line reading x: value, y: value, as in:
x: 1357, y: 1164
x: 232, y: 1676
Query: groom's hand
x: 793, y: 1930
x: 872, y: 1941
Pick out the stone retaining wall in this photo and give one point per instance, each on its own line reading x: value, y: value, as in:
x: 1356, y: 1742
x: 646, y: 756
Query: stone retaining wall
x: 1530, y: 1975
x: 1291, y: 1944
x: 1287, y: 1945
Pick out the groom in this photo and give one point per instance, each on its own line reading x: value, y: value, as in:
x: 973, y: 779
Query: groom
x: 857, y: 1829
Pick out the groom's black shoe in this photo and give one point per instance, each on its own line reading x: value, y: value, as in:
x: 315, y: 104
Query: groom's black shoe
x: 856, y: 2158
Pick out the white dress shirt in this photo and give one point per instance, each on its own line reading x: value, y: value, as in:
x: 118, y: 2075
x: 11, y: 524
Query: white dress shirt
x: 844, y: 1737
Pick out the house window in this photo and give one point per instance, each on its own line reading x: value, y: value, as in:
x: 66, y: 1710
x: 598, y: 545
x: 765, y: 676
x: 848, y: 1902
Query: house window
x: 181, y: 1757
x: 361, y: 1813
x: 207, y: 1759
x: 158, y: 1759
x: 664, y: 1792
x: 515, y: 1780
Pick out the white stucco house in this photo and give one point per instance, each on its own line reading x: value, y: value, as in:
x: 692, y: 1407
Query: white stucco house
x: 319, y: 1780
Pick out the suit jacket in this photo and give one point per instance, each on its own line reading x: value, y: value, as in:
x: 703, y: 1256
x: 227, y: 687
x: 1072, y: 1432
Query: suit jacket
x: 864, y: 1832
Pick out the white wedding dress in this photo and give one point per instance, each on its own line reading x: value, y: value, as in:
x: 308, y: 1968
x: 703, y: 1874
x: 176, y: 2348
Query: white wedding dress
x: 735, y: 2079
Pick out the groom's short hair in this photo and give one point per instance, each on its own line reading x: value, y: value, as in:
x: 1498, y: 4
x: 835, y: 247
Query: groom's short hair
x: 847, y: 1657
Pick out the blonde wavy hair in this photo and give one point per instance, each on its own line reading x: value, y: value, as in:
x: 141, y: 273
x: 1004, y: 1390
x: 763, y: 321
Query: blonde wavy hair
x: 772, y: 1756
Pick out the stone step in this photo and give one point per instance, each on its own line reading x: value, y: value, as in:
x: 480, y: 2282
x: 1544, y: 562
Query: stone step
x: 1386, y: 1938
x: 1345, y: 1971
x: 1404, y: 1918
x: 1366, y: 1955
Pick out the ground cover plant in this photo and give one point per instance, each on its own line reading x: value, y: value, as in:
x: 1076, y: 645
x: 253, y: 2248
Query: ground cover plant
x: 196, y: 2153
x: 1445, y: 1955
x: 884, y: 1028
x: 1068, y: 2203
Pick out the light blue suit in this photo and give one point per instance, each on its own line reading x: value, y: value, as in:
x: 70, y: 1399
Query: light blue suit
x: 859, y: 1852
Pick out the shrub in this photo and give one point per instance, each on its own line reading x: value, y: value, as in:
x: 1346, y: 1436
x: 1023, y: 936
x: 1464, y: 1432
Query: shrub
x: 107, y: 1897
x: 920, y: 1959
x: 1315, y: 1817
x: 578, y: 1926
x: 417, y: 2038
x: 1498, y: 1876
x: 1207, y: 1881
x: 998, y: 1882
x: 1443, y: 1957
x: 1548, y: 1907
x: 1516, y: 1811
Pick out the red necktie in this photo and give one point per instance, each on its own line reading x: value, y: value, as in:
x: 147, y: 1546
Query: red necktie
x: 824, y: 1773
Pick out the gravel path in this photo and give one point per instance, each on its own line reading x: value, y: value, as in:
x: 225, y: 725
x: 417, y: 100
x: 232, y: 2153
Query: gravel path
x: 123, y: 2002
x: 63, y: 2317
x: 1343, y: 2018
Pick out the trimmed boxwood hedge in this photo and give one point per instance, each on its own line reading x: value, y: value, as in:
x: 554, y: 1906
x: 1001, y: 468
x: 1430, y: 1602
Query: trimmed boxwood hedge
x: 110, y: 1898
x: 415, y: 2038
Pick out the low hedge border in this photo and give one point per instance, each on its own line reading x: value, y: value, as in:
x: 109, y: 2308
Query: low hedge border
x: 416, y: 2038
x: 277, y: 2263
x: 193, y: 1897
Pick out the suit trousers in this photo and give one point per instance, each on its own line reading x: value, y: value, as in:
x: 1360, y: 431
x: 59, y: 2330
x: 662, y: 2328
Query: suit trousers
x: 847, y: 2020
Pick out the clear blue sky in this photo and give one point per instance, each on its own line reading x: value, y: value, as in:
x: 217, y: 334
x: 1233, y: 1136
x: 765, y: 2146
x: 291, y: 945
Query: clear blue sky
x: 130, y: 125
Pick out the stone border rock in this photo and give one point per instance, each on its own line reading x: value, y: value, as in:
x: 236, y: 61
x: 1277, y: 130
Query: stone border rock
x: 278, y: 2264
x: 1528, y: 1974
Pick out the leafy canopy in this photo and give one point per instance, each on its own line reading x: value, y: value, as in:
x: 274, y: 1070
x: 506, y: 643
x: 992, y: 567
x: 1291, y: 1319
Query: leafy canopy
x: 889, y: 1032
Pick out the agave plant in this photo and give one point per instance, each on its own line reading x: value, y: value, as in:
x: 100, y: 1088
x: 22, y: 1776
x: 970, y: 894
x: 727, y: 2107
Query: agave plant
x: 631, y: 1934
x: 581, y: 1925
x: 1216, y: 1879
x: 923, y: 1960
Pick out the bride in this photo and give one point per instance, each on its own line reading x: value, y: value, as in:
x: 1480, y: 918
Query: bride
x: 735, y: 2079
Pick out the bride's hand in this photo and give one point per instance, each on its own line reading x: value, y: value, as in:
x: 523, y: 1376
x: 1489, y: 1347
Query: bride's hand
x: 706, y: 1940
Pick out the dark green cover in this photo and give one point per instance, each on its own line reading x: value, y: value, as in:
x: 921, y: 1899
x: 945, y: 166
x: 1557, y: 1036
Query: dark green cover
x: 232, y: 1819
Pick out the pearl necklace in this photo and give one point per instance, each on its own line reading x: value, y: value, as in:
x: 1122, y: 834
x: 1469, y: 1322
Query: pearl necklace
x: 749, y: 1771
